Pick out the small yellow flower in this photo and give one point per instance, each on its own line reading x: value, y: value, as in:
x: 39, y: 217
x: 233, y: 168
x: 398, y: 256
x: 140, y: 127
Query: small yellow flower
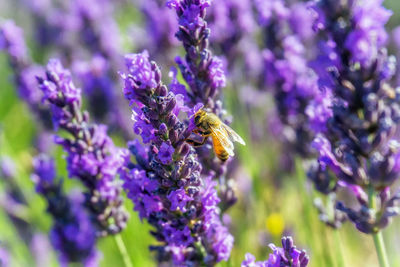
x: 275, y: 224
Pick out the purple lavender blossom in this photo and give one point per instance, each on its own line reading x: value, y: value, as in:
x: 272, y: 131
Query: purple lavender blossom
x: 232, y: 24
x: 165, y: 184
x: 97, y: 26
x: 165, y: 153
x: 203, y: 72
x: 288, y: 255
x: 205, y: 76
x: 91, y: 155
x: 368, y: 34
x: 50, y: 24
x: 72, y: 234
x: 356, y: 145
x: 160, y: 27
x: 286, y: 71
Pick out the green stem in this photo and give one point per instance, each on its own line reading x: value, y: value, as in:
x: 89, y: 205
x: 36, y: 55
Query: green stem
x: 339, y: 249
x: 378, y: 238
x: 307, y: 209
x: 123, y: 250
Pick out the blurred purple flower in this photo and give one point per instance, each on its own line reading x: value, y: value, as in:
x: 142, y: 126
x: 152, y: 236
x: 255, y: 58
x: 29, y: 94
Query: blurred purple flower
x: 356, y: 144
x: 5, y: 259
x: 13, y: 44
x: 286, y: 72
x: 72, y: 234
x: 40, y: 247
x: 368, y: 34
x: 12, y: 40
x: 160, y: 30
x: 267, y: 10
x: 232, y: 24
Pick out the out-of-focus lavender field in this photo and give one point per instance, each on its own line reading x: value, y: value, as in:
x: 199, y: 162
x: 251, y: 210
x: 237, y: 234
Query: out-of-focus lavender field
x: 99, y: 100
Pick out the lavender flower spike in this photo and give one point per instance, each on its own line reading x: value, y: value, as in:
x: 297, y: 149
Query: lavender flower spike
x: 92, y: 156
x: 72, y: 234
x: 203, y: 72
x: 286, y: 71
x: 288, y: 256
x: 165, y: 183
x: 357, y: 144
x: 205, y: 75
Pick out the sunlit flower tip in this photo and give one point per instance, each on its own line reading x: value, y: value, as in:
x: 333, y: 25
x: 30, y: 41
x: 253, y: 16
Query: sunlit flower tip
x: 288, y: 255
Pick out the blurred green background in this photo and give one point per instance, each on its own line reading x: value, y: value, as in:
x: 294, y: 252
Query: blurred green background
x: 270, y: 204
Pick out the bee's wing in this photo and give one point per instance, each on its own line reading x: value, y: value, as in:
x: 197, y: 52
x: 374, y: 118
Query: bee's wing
x: 223, y: 137
x: 233, y: 136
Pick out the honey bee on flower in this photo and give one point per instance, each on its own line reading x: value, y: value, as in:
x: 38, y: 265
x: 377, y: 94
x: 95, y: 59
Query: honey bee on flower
x: 223, y: 136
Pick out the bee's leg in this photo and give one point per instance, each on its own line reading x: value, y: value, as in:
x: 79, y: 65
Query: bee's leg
x: 196, y: 143
x: 206, y: 133
x: 202, y: 133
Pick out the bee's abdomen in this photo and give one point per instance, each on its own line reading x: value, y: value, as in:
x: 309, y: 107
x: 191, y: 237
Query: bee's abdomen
x: 223, y: 155
x: 219, y: 150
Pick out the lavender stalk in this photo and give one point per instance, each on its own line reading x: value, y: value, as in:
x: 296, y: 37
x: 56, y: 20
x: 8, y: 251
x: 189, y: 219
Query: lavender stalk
x: 357, y: 145
x: 204, y: 74
x: 165, y: 183
x: 91, y: 155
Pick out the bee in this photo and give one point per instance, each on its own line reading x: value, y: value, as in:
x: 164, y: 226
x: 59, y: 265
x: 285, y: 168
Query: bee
x: 208, y: 124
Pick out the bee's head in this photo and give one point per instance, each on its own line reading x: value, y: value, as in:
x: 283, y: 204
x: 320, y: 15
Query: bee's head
x: 198, y: 117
